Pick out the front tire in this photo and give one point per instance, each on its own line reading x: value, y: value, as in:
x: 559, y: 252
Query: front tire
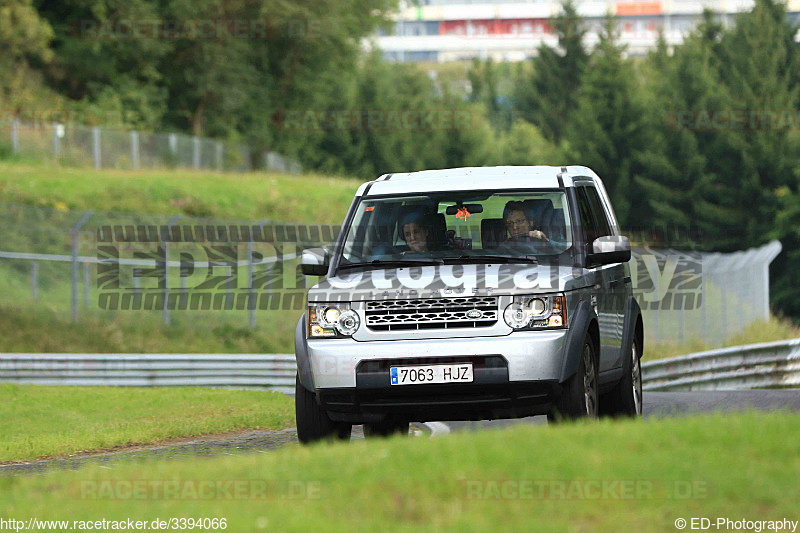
x: 626, y: 398
x: 313, y: 423
x: 579, y: 398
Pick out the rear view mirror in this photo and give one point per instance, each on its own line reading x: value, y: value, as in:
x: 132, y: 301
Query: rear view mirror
x: 314, y: 262
x: 471, y: 209
x: 609, y: 249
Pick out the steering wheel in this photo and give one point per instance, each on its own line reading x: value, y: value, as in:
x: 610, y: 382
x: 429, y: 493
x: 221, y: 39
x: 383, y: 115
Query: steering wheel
x: 539, y: 244
x: 524, y: 237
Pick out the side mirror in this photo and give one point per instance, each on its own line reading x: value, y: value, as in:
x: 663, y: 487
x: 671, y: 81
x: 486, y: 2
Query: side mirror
x: 314, y: 262
x: 609, y: 249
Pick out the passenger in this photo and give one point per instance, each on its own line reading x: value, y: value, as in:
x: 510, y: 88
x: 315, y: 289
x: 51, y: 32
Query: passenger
x: 518, y: 224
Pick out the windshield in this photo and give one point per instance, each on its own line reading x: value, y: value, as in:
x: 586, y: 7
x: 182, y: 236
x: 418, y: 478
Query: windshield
x: 464, y: 226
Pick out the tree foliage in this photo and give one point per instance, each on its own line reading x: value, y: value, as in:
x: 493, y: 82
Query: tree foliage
x: 549, y: 97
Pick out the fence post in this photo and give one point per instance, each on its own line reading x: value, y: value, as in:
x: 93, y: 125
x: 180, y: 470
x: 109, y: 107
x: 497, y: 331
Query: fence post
x: 251, y: 300
x: 763, y: 279
x: 703, y: 283
x: 251, y: 308
x: 56, y: 147
x: 219, y: 155
x: 165, y: 244
x: 35, y: 280
x: 656, y: 309
x: 752, y: 282
x: 245, y: 157
x: 137, y: 294
x: 96, y: 147
x: 15, y: 135
x: 184, y: 292
x: 196, y: 152
x: 724, y: 312
x: 172, y: 142
x: 135, y: 150
x: 74, y: 234
x: 86, y: 280
x: 680, y: 314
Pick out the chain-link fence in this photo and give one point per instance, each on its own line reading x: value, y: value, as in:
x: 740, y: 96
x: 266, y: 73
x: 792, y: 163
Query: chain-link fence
x: 74, y: 260
x: 706, y: 296
x: 77, y: 262
x: 131, y: 150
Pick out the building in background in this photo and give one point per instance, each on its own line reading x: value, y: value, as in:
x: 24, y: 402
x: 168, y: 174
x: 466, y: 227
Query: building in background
x: 509, y: 30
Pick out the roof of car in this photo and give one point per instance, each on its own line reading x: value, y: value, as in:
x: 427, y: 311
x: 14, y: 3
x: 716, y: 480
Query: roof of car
x: 472, y: 178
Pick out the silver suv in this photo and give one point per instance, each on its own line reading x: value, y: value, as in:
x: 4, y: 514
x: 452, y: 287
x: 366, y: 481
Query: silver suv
x: 467, y: 294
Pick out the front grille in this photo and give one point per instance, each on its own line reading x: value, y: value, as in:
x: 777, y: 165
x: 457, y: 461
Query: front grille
x: 431, y: 313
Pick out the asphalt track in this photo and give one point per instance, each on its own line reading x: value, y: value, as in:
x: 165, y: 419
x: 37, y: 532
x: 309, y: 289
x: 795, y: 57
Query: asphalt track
x: 656, y: 404
x: 663, y: 404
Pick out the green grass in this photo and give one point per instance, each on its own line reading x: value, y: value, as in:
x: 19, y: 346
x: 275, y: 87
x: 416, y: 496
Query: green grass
x: 47, y: 421
x: 252, y: 196
x: 718, y: 466
x: 776, y: 329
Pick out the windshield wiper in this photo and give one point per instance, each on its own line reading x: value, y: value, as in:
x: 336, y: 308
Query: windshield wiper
x: 464, y: 258
x: 391, y: 263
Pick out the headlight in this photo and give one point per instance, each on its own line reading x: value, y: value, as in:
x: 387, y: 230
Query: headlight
x: 332, y: 320
x: 537, y: 312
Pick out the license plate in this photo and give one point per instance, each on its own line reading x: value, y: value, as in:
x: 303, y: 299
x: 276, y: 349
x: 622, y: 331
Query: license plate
x: 422, y: 375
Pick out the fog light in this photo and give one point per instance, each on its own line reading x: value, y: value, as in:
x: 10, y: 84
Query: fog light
x: 347, y: 323
x: 516, y: 316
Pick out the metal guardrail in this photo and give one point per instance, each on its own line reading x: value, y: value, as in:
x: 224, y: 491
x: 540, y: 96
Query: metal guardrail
x: 770, y: 364
x: 270, y: 371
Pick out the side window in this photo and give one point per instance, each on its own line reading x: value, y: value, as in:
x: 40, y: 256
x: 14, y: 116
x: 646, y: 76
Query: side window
x: 593, y: 217
x: 603, y: 227
x: 587, y: 220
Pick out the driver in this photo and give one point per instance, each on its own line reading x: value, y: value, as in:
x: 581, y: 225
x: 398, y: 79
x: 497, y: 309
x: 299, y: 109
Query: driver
x: 415, y: 232
x: 518, y: 224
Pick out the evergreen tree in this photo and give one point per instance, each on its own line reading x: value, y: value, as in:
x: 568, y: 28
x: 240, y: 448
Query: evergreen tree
x: 607, y: 130
x: 760, y: 65
x: 483, y: 77
x: 525, y: 145
x: 548, y: 97
x: 674, y: 166
x: 784, y: 270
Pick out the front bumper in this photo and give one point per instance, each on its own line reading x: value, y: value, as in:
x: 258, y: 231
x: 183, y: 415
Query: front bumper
x: 529, y: 356
x: 422, y: 403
